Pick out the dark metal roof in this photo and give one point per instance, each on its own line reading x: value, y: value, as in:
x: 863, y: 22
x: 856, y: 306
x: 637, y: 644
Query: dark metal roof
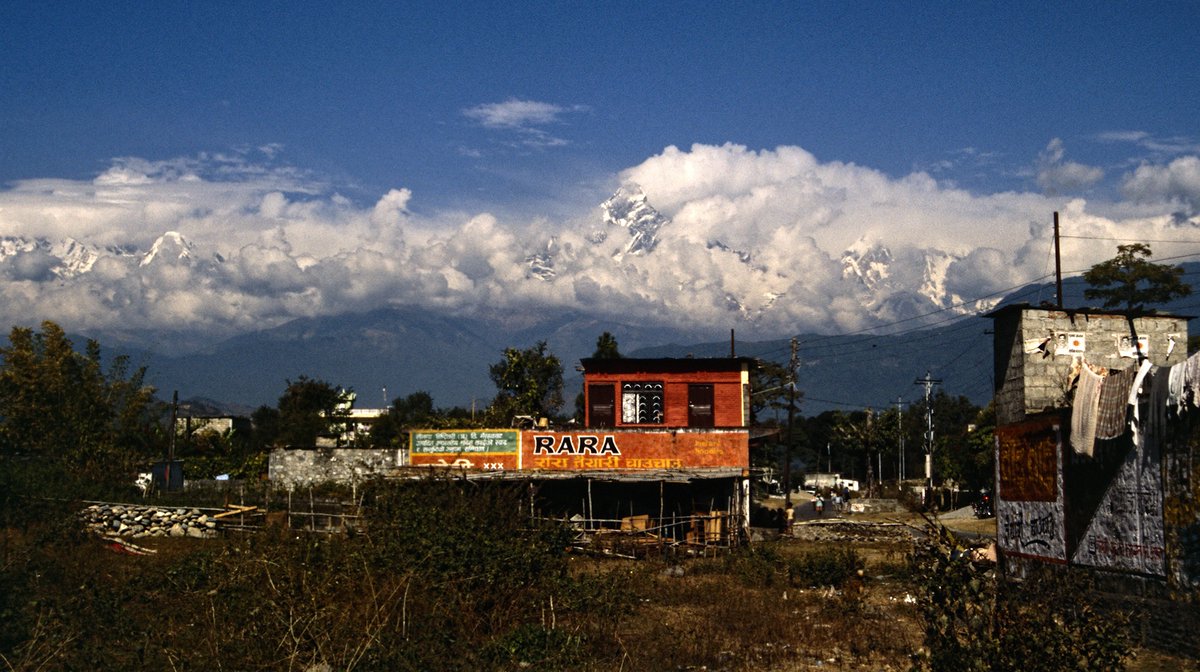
x: 666, y: 364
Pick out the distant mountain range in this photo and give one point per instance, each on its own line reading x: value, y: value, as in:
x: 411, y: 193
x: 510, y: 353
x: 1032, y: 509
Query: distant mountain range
x: 407, y: 350
x: 382, y: 355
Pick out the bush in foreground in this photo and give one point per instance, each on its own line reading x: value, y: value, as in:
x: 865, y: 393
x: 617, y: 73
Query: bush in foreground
x: 975, y: 620
x: 443, y: 577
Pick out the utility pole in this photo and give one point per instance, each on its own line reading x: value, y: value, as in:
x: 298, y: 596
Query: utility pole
x: 787, y: 450
x: 870, y: 443
x: 171, y: 444
x: 1057, y: 264
x: 900, y: 440
x: 928, y: 382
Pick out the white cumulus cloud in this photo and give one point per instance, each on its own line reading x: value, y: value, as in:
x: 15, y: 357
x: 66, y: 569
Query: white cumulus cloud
x: 755, y: 238
x: 1056, y: 175
x: 527, y: 118
x: 516, y: 113
x: 1177, y: 182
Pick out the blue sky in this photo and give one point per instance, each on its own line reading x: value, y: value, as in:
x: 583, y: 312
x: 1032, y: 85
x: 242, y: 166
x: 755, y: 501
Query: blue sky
x: 373, y: 95
x: 309, y: 145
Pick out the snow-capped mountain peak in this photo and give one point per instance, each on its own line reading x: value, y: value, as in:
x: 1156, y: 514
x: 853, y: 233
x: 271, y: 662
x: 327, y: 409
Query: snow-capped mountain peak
x: 40, y: 259
x: 76, y: 257
x: 541, y: 264
x: 629, y: 208
x: 170, y: 245
x: 866, y: 263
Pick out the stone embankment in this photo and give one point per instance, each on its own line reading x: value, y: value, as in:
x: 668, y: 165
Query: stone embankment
x: 137, y: 522
x: 846, y: 530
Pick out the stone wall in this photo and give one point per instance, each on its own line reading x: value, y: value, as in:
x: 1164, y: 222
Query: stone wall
x: 293, y: 467
x: 129, y: 520
x: 864, y: 505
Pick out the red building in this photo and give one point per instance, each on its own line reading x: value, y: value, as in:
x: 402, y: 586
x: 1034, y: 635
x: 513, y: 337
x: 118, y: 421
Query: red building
x: 667, y: 393
x: 664, y: 450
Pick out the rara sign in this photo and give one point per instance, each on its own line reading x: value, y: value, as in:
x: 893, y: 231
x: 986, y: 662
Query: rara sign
x: 572, y: 444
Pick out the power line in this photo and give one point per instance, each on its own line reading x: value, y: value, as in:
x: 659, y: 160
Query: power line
x: 895, y: 339
x: 1131, y: 240
x: 923, y: 326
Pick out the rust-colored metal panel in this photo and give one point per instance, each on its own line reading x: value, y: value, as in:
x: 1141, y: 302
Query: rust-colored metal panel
x: 1028, y: 460
x: 1030, y: 520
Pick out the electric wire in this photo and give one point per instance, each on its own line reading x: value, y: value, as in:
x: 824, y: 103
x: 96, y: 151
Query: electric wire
x: 815, y: 347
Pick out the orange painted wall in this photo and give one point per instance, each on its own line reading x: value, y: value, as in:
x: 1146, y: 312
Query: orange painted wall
x: 588, y: 450
x: 558, y: 451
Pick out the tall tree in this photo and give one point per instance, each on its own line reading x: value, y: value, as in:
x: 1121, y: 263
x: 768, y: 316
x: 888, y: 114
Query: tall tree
x: 606, y: 347
x: 59, y: 406
x: 528, y: 382
x: 770, y: 389
x: 405, y: 412
x: 1131, y: 281
x: 309, y: 408
x: 857, y: 436
x: 970, y: 457
x: 264, y: 422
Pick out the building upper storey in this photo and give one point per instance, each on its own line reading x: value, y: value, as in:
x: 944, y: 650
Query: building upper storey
x: 658, y: 393
x: 1038, y: 351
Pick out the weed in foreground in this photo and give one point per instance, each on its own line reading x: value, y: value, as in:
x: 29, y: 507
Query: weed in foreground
x: 975, y: 620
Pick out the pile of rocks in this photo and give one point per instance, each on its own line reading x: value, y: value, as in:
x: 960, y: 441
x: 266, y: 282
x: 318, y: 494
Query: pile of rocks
x: 148, y: 521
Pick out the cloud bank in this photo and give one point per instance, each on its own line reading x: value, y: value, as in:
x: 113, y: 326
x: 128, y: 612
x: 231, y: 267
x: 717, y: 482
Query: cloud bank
x: 774, y: 241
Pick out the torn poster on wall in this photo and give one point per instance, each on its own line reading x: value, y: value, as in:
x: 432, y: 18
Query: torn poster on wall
x: 1029, y: 500
x: 1129, y: 348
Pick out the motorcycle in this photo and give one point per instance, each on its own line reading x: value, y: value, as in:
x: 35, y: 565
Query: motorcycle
x: 983, y: 507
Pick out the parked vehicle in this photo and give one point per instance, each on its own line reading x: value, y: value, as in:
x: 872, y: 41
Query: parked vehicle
x: 813, y: 482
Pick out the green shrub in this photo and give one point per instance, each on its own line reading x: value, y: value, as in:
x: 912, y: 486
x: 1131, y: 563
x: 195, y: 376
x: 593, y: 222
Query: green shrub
x: 758, y: 565
x: 534, y: 647
x: 446, y: 575
x: 975, y: 620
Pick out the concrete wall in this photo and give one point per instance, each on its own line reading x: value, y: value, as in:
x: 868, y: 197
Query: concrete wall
x: 291, y: 468
x: 1035, y: 349
x: 1128, y: 506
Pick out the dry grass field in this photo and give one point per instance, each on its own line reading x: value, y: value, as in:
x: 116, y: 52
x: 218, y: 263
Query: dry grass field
x: 453, y: 591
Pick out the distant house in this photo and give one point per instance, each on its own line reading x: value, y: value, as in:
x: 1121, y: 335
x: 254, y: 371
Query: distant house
x: 664, y: 442
x: 357, y: 422
x: 192, y: 425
